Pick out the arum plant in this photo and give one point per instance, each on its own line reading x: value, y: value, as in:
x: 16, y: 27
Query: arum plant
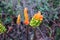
x: 36, y: 21
x: 26, y: 21
x: 18, y: 22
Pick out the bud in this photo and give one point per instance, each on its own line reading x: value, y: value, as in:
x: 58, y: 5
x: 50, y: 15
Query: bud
x: 18, y: 19
x: 36, y: 19
x: 26, y: 21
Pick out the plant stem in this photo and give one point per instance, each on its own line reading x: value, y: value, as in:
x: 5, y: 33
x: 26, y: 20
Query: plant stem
x: 34, y: 34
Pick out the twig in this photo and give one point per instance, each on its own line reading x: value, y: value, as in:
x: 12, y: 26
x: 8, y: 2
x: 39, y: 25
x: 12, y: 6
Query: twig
x: 34, y: 34
x: 27, y: 32
x: 40, y: 32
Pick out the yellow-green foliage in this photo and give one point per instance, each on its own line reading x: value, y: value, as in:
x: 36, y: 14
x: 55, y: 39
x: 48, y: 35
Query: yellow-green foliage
x: 2, y: 28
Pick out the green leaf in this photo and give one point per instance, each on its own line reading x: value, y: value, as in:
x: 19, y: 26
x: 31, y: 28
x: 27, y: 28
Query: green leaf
x: 8, y: 20
x: 2, y: 29
x: 57, y: 34
x: 34, y: 23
